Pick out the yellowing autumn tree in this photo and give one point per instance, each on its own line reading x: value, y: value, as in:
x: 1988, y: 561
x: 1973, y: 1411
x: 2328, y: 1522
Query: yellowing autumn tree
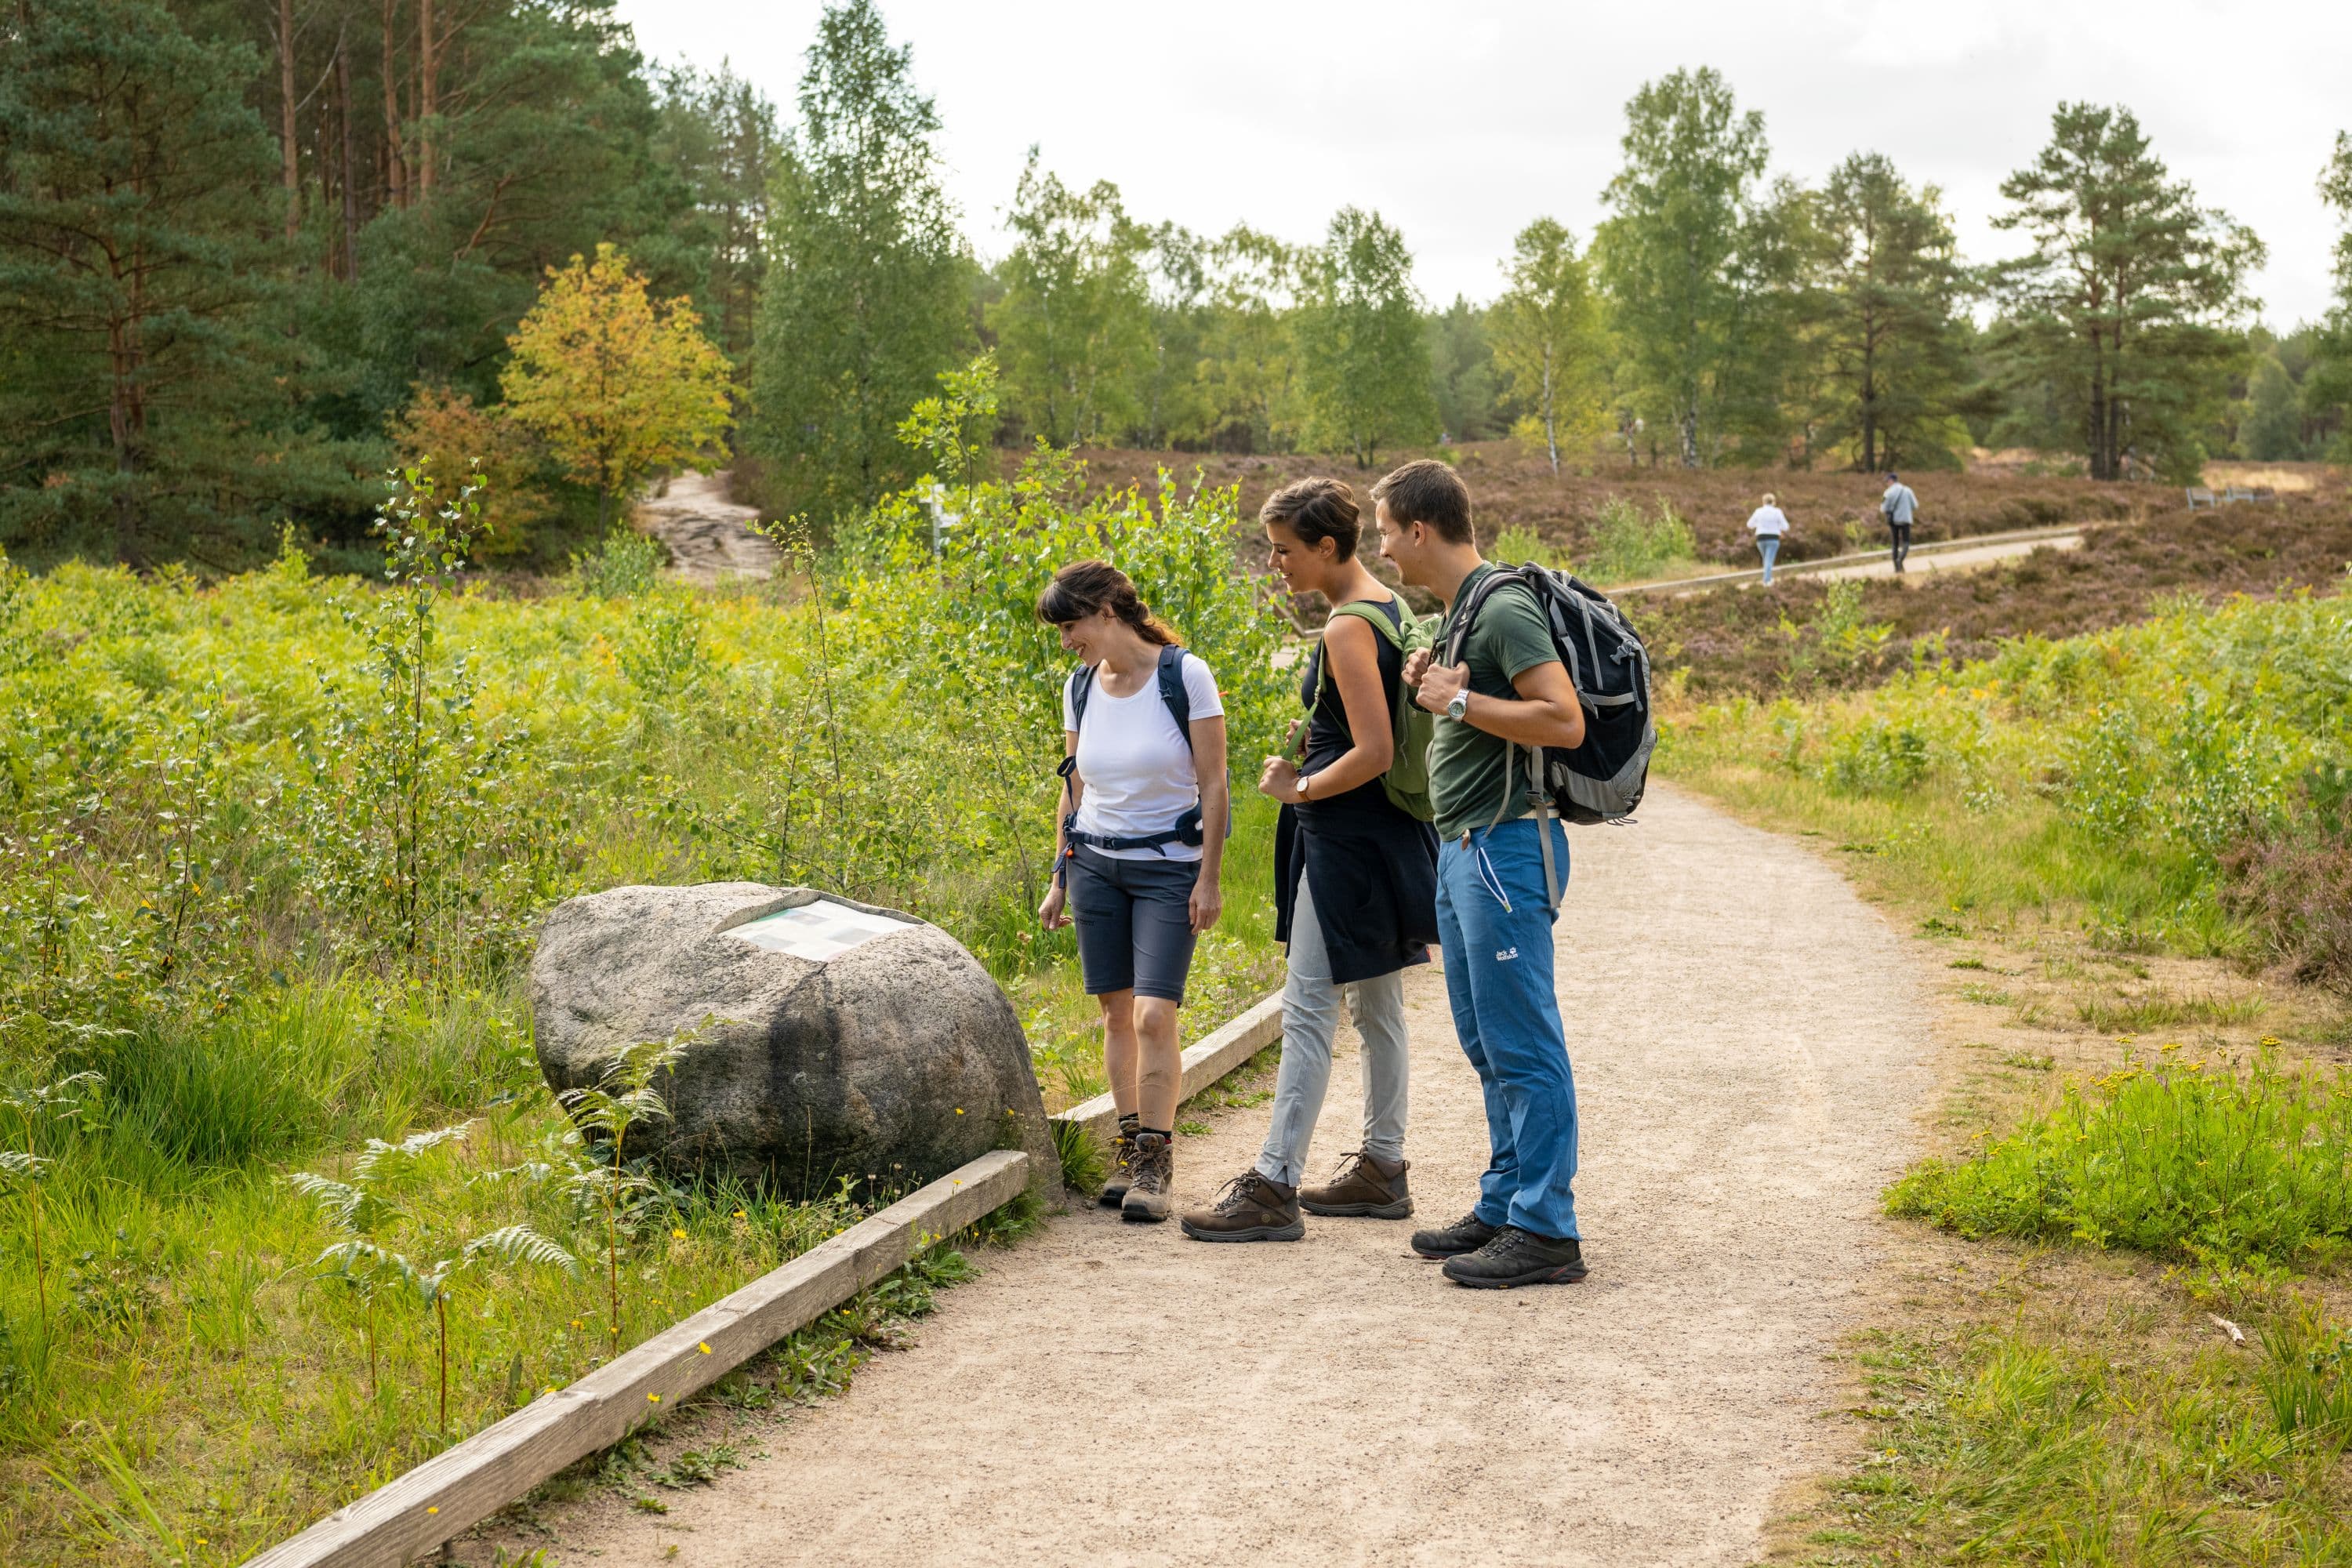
x: 617, y: 385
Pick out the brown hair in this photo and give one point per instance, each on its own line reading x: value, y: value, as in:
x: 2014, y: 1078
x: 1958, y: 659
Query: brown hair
x: 1426, y: 490
x: 1317, y: 510
x: 1083, y: 587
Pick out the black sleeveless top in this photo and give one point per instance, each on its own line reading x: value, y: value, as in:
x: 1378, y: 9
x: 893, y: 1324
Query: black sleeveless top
x: 1327, y: 736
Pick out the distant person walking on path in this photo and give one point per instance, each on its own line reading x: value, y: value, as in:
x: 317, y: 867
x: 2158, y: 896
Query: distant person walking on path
x: 1767, y: 523
x: 1494, y: 911
x: 1355, y: 881
x: 1898, y: 506
x: 1137, y: 851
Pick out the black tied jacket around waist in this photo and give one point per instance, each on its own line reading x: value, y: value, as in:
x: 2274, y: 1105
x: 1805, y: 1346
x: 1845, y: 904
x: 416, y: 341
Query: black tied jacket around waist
x: 1374, y: 869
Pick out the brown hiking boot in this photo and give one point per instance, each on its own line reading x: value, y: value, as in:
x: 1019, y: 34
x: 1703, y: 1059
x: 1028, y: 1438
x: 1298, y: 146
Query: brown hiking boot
x: 1122, y: 1165
x: 1252, y: 1207
x: 1358, y: 1190
x: 1147, y: 1200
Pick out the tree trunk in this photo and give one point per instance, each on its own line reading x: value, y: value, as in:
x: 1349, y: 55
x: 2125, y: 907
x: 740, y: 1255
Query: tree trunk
x: 1552, y: 428
x: 289, y: 145
x: 396, y: 166
x: 126, y: 421
x: 350, y: 195
x: 1688, y: 433
x: 429, y: 99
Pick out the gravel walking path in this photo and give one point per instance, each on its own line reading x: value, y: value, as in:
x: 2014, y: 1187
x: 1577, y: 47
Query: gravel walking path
x: 1750, y: 1042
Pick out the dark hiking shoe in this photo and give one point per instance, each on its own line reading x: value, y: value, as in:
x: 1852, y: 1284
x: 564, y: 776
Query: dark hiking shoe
x: 1122, y: 1166
x: 1518, y: 1257
x: 1359, y: 1191
x: 1252, y: 1208
x: 1147, y: 1200
x: 1468, y: 1233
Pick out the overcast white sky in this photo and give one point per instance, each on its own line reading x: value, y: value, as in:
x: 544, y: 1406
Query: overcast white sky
x: 1460, y: 123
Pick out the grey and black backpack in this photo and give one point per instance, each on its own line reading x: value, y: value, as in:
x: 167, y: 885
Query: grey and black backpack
x: 1602, y: 779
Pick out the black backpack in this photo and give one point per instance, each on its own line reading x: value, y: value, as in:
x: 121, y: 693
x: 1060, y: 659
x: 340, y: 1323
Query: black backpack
x: 1187, y: 828
x: 1602, y: 779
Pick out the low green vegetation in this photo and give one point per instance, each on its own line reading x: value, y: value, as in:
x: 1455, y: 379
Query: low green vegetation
x: 2134, y: 1349
x: 284, y: 1204
x: 2066, y: 1441
x: 2168, y: 1158
x: 2109, y: 780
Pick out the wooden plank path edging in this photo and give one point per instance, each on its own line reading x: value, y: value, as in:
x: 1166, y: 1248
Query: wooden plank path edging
x: 1219, y: 1052
x: 414, y: 1512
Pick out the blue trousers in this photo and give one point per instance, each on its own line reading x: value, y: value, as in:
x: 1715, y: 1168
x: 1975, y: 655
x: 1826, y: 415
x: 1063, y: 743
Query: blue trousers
x: 1499, y: 977
x: 1768, y: 545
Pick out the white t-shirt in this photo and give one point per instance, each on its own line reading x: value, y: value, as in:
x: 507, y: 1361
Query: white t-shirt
x: 1768, y: 519
x: 1135, y: 764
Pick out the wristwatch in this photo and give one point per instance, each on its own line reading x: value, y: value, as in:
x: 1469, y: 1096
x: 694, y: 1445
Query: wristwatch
x: 1299, y: 786
x: 1460, y: 707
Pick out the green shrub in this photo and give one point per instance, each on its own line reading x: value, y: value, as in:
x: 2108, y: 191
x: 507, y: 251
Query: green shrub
x: 1624, y: 545
x: 2168, y: 1159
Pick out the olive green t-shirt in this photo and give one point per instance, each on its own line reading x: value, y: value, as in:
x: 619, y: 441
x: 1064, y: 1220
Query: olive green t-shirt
x: 1465, y: 763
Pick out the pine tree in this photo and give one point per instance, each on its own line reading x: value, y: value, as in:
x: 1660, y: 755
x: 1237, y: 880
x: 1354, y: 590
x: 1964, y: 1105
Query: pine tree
x: 1363, y: 360
x: 2270, y: 429
x: 719, y: 133
x: 2132, y: 302
x: 865, y: 296
x: 1888, y: 326
x: 1463, y: 374
x: 132, y: 260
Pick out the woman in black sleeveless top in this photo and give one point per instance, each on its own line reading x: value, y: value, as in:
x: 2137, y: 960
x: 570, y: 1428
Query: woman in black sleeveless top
x: 1355, y: 888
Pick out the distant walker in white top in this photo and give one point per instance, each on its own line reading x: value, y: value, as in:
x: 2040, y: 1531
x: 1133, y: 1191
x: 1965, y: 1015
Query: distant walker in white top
x: 1767, y: 523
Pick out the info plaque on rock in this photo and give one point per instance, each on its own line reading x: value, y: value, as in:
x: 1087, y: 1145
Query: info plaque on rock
x: 818, y: 932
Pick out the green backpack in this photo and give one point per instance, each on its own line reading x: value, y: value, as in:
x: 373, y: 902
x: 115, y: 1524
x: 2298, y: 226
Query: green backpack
x: 1406, y: 783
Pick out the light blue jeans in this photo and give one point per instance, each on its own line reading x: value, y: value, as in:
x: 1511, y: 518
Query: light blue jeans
x: 1769, y: 546
x: 1310, y: 1016
x: 1495, y: 932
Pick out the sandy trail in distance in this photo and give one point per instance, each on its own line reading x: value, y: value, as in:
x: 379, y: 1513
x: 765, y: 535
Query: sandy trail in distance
x: 709, y: 537
x: 1750, y: 1042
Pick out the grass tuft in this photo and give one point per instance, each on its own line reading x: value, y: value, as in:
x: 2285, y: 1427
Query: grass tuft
x: 2173, y: 1160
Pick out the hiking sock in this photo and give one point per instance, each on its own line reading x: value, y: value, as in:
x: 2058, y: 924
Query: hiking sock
x: 1167, y: 1133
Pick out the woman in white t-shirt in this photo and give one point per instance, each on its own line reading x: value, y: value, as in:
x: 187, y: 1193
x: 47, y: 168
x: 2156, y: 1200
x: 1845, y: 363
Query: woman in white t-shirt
x: 1139, y: 849
x: 1767, y: 523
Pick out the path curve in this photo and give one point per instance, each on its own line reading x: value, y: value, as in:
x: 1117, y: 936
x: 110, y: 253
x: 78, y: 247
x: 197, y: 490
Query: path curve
x: 1750, y: 1042
x: 709, y: 536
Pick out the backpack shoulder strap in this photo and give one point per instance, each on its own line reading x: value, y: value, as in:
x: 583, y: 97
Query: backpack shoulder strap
x: 1391, y: 631
x: 1172, y: 693
x: 1082, y: 681
x: 1501, y: 578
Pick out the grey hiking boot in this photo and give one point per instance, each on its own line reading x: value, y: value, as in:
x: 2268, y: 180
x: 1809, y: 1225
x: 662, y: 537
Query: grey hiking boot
x: 1518, y: 1257
x: 1147, y: 1200
x: 1252, y: 1207
x: 1360, y: 1189
x: 1122, y: 1165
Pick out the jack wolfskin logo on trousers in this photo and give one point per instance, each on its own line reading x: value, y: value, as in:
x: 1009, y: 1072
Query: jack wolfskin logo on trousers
x: 1506, y: 954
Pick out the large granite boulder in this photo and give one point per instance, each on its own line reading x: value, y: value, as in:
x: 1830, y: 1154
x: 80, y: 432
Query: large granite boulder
x: 847, y: 1040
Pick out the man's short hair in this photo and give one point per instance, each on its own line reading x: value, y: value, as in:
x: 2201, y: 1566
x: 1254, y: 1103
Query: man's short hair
x: 1427, y: 491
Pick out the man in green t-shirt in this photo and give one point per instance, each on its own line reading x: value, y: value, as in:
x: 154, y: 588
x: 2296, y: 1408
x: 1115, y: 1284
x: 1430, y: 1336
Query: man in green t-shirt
x: 1494, y: 911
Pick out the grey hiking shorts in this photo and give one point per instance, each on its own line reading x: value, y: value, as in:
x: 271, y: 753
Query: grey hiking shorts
x: 1134, y: 920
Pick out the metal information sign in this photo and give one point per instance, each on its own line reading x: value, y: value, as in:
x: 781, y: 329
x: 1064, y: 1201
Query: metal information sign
x: 819, y: 930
